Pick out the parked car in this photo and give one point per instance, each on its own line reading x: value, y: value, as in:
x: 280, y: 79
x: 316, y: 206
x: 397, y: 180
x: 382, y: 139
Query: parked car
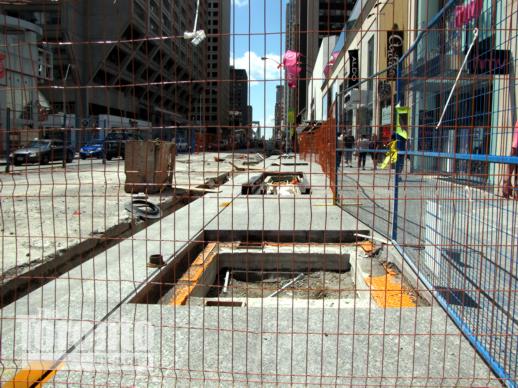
x: 93, y: 149
x: 115, y: 144
x: 182, y: 146
x: 42, y: 151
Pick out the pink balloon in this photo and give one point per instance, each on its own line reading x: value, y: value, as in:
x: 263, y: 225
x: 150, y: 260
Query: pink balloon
x: 291, y: 63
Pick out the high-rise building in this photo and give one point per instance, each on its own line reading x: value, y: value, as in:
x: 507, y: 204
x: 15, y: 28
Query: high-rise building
x: 296, y: 27
x: 133, y: 63
x: 23, y: 65
x: 279, y: 112
x: 217, y: 91
x: 325, y: 18
x: 249, y: 114
x: 307, y: 22
x: 239, y: 98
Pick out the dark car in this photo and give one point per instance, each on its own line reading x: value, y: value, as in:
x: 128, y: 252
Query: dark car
x: 42, y: 151
x: 115, y: 143
x: 93, y: 149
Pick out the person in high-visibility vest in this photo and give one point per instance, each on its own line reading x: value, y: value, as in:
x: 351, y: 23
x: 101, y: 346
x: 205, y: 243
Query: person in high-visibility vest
x: 401, y: 135
x: 399, y: 140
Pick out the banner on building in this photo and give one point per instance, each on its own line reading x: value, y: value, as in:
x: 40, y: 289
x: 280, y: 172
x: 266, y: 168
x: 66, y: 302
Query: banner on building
x: 291, y: 117
x: 395, y: 40
x: 485, y: 59
x: 354, y: 68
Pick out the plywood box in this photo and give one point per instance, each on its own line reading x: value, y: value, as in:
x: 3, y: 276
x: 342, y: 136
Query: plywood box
x: 149, y: 166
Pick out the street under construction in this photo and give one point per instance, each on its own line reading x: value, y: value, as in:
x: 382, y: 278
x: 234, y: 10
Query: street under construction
x: 258, y: 193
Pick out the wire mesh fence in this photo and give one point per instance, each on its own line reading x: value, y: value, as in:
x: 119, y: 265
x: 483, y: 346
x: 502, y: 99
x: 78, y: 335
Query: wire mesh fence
x: 452, y: 207
x: 258, y: 193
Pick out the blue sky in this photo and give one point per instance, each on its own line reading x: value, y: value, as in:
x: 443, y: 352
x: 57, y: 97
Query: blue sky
x: 257, y: 30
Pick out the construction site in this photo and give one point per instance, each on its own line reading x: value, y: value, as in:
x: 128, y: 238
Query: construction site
x: 362, y: 232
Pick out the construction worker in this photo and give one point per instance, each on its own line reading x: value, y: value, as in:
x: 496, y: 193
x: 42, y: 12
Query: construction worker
x: 400, y: 136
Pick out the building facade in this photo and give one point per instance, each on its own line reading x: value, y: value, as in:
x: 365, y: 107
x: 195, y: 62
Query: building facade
x: 239, y: 98
x: 307, y: 23
x: 134, y: 64
x: 315, y: 104
x: 217, y: 92
x: 23, y: 67
x: 481, y: 114
x: 279, y: 112
x: 362, y: 50
x: 479, y: 118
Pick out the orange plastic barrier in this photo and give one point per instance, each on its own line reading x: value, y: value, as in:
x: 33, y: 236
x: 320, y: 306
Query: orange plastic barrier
x: 319, y: 145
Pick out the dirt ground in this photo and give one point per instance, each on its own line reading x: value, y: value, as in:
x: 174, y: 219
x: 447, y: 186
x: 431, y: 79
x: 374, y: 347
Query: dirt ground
x: 315, y: 285
x: 45, y: 210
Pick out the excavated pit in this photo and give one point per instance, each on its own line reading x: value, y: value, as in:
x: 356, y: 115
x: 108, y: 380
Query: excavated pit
x: 231, y: 270
x: 230, y: 273
x: 262, y: 284
x: 277, y: 183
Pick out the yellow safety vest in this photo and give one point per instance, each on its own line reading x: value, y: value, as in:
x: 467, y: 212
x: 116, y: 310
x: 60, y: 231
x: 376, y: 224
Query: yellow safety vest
x: 401, y: 132
x: 391, y: 156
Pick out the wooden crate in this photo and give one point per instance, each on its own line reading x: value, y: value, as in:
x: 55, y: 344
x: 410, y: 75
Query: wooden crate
x: 149, y: 166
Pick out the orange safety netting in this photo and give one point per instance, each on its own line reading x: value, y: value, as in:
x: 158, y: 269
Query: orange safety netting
x: 319, y: 145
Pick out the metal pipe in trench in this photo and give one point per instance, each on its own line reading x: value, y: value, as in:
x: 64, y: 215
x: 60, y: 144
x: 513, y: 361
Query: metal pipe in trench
x: 300, y: 276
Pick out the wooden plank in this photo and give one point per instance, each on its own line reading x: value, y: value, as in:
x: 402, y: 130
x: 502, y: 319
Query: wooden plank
x: 194, y: 188
x: 189, y: 280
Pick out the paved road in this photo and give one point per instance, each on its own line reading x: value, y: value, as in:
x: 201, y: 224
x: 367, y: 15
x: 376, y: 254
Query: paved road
x: 77, y: 164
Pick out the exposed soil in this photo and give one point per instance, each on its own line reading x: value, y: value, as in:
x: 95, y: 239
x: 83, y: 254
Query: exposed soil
x: 315, y: 285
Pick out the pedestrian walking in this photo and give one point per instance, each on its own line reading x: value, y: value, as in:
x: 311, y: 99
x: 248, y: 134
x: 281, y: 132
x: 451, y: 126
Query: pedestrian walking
x: 349, y: 145
x: 339, y: 150
x: 363, y: 150
x: 374, y: 146
x: 512, y: 169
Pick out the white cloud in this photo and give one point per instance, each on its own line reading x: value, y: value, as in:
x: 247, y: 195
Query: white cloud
x: 258, y: 69
x: 239, y: 3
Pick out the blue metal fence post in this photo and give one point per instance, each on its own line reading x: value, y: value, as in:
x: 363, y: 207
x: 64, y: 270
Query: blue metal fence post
x: 397, y: 175
x: 338, y: 154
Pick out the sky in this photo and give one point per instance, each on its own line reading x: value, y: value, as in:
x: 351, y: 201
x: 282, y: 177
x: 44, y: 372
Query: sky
x: 257, y: 30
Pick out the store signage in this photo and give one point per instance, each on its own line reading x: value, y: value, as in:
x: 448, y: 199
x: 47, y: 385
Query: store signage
x: 354, y: 68
x: 386, y: 115
x: 2, y: 66
x: 486, y: 60
x: 492, y: 62
x: 468, y: 12
x: 394, y: 52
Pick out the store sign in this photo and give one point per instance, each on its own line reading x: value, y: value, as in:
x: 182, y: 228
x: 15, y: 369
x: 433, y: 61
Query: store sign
x: 468, y: 12
x: 354, y: 68
x: 484, y: 59
x: 386, y: 115
x: 2, y: 66
x: 394, y: 52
